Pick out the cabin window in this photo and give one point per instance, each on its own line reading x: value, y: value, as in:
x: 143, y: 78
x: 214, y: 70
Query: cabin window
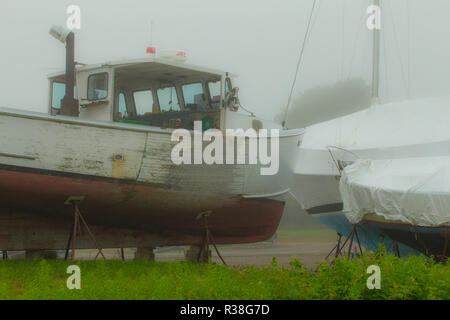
x: 215, y: 92
x: 168, y: 99
x: 144, y: 102
x: 228, y: 85
x: 194, y: 97
x: 123, y: 111
x: 58, y: 94
x: 98, y: 86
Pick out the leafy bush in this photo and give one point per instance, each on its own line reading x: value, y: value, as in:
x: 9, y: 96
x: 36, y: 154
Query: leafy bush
x: 413, y: 278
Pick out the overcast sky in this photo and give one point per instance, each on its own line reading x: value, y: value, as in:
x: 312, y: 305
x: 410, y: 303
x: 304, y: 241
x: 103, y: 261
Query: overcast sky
x: 257, y: 39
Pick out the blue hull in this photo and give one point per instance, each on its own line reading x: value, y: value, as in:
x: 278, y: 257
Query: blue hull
x: 410, y: 240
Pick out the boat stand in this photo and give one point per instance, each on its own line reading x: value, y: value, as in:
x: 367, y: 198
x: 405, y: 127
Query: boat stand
x: 443, y: 258
x: 396, y: 250
x: 338, y: 249
x: 394, y: 245
x: 207, y: 239
x: 78, y: 224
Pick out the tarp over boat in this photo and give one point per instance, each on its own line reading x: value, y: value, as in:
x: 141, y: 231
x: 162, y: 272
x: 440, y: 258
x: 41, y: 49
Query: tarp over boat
x: 414, y: 190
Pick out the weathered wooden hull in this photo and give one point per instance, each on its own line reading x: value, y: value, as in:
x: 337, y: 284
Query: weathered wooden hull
x: 38, y: 217
x: 133, y: 194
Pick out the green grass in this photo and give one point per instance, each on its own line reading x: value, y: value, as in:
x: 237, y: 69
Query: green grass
x: 415, y: 278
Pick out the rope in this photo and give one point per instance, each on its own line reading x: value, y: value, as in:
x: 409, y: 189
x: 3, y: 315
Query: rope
x: 408, y: 12
x: 404, y: 78
x: 344, y: 12
x: 308, y: 28
x: 385, y: 62
x: 355, y: 44
x: 251, y: 113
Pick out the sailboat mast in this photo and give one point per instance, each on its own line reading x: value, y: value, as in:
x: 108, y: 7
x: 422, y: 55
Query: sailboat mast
x: 376, y: 62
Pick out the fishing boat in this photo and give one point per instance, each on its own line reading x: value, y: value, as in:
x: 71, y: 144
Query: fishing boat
x: 108, y: 146
x: 408, y: 130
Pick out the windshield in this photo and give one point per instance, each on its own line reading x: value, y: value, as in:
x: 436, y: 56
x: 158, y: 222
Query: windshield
x: 194, y: 96
x: 214, y: 90
x: 143, y: 101
x: 168, y: 99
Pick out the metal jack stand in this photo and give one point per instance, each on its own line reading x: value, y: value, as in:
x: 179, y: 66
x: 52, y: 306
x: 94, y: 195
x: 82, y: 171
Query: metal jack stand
x: 339, y: 247
x: 396, y: 250
x: 394, y: 246
x: 208, y: 238
x: 443, y: 258
x: 78, y: 223
x: 352, y: 235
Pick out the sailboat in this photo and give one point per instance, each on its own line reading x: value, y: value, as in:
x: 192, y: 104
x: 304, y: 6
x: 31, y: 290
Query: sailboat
x: 106, y: 144
x: 377, y: 169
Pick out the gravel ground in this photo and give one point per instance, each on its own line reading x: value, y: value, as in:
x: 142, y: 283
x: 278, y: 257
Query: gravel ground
x: 262, y: 254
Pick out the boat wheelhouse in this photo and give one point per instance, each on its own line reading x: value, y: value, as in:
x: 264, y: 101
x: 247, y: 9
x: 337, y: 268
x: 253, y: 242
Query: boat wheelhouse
x: 153, y: 92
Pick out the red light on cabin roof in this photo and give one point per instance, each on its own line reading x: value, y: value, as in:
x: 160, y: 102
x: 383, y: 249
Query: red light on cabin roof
x: 151, y: 50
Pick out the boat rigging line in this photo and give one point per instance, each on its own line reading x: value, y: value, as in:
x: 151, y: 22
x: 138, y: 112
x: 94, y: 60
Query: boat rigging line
x: 355, y: 44
x: 305, y: 39
x: 396, y: 40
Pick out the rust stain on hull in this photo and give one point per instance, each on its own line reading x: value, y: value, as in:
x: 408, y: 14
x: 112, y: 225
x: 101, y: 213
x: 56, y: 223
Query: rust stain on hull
x: 119, y: 166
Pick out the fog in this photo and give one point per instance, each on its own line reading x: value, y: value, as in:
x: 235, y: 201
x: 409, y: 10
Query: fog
x: 259, y: 40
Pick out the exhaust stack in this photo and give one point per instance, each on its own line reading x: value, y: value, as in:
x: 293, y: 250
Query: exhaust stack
x: 69, y: 105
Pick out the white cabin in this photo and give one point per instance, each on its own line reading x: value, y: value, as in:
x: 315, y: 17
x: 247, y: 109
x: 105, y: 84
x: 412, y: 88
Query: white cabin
x: 154, y: 92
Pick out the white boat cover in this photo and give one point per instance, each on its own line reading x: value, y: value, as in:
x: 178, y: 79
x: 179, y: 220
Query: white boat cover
x: 414, y: 190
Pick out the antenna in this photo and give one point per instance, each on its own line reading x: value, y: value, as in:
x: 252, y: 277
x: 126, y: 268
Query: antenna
x: 151, y: 50
x: 151, y: 32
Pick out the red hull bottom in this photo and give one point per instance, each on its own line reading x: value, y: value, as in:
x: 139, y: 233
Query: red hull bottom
x: 122, y: 214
